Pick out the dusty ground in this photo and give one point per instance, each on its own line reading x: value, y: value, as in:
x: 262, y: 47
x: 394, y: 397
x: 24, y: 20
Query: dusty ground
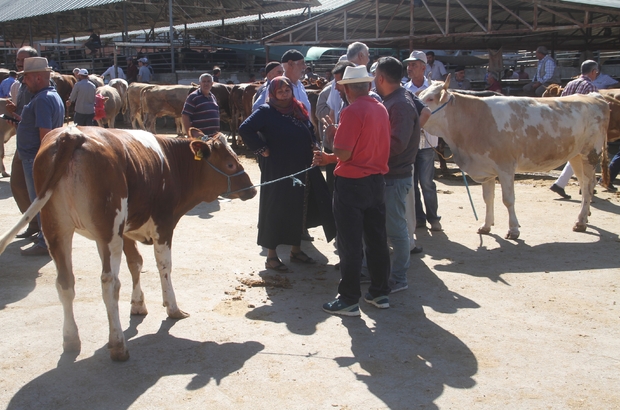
x: 486, y: 323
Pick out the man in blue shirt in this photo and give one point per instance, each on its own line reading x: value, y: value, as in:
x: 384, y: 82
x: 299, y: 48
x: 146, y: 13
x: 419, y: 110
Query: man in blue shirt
x: 5, y: 86
x: 42, y: 114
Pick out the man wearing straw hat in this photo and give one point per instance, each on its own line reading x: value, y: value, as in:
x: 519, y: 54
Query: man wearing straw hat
x: 361, y: 151
x: 42, y: 114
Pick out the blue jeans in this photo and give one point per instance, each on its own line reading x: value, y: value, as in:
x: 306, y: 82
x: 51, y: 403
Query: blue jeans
x: 396, y: 191
x: 359, y: 211
x: 424, y: 174
x: 32, y: 193
x: 614, y: 168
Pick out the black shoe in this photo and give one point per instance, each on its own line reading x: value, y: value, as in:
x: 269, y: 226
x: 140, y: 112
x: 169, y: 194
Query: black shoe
x: 417, y: 249
x: 28, y: 233
x: 35, y: 250
x: 559, y: 191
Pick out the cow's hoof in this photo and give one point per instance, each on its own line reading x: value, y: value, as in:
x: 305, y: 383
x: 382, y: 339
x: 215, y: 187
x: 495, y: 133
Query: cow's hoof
x: 119, y: 355
x: 139, y: 309
x: 484, y: 230
x: 579, y: 227
x: 5, y: 174
x: 178, y: 314
x: 512, y: 235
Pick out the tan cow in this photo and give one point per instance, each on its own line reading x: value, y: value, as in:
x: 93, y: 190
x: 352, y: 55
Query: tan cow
x: 121, y: 86
x: 498, y: 136
x: 113, y: 105
x: 164, y: 100
x: 131, y: 108
x: 150, y: 183
x: 6, y: 132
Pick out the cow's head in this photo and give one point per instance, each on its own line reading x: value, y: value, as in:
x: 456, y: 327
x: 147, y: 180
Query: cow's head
x: 436, y: 94
x: 220, y: 167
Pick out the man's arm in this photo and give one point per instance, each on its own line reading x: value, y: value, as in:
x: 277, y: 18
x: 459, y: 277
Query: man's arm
x: 43, y: 132
x: 186, y: 123
x: 425, y: 114
x: 323, y: 158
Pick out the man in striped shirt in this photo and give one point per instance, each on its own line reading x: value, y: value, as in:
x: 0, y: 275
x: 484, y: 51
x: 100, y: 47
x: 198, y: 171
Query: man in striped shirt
x: 201, y: 110
x: 581, y: 85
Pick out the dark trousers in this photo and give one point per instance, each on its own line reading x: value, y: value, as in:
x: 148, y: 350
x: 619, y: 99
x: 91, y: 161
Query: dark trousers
x: 83, y: 119
x: 359, y: 211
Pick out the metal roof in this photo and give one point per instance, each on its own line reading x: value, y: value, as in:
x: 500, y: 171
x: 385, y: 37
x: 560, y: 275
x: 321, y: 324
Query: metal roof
x: 462, y: 24
x: 48, y: 19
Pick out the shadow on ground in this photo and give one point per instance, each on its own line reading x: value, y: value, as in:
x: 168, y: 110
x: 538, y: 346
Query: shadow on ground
x: 107, y: 385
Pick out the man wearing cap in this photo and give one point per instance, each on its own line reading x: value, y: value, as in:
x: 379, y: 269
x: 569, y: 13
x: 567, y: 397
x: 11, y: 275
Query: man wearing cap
x: 41, y: 115
x: 425, y: 158
x: 132, y: 70
x: 358, y: 54
x: 201, y: 110
x: 361, y: 151
x: 144, y: 72
x: 545, y: 74
x: 294, y: 69
x: 459, y: 82
x: 20, y: 96
x: 404, y: 142
x: 273, y: 69
x: 435, y: 70
x: 83, y: 95
x: 581, y: 85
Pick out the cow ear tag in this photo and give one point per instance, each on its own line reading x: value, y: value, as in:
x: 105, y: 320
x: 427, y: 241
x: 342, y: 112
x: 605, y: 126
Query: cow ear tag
x: 198, y: 155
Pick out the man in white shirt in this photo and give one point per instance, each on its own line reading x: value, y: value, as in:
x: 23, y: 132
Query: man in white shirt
x: 294, y: 69
x: 424, y: 165
x: 603, y: 81
x: 358, y: 54
x: 113, y: 72
x: 435, y: 70
x: 272, y: 70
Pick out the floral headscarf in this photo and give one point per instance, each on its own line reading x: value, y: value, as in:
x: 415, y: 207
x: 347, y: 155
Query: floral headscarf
x: 293, y: 107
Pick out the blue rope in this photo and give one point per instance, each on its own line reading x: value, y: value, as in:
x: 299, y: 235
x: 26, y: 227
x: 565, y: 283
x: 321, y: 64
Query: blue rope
x: 469, y: 194
x: 443, y: 105
x: 296, y: 182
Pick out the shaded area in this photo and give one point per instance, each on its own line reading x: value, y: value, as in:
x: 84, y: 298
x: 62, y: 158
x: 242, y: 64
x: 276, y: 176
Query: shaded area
x: 98, y: 383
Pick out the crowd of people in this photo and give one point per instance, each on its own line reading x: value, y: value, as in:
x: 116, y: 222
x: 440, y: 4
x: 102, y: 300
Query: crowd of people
x: 379, y: 160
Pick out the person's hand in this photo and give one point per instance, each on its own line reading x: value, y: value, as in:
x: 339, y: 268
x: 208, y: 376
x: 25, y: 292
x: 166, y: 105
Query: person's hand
x: 265, y: 153
x: 10, y: 107
x: 322, y: 158
x: 68, y: 103
x: 329, y: 129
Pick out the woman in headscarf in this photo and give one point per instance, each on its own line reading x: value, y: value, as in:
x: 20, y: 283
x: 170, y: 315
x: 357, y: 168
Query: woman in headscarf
x: 282, y: 136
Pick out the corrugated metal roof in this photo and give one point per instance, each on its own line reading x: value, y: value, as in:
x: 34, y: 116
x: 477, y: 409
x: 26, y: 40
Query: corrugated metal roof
x: 604, y: 3
x: 20, y: 9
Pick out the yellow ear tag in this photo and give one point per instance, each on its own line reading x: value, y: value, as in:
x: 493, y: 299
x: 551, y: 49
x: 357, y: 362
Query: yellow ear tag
x: 198, y: 155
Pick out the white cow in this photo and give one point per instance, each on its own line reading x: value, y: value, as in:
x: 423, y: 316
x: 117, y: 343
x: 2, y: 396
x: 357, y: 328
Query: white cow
x: 498, y: 136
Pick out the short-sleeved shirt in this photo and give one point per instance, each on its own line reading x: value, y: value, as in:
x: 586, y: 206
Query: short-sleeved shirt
x: 436, y: 71
x: 203, y: 112
x: 45, y: 110
x: 5, y: 87
x: 365, y: 131
x: 427, y: 140
x: 581, y: 85
x: 144, y: 74
x: 299, y: 92
x: 83, y: 95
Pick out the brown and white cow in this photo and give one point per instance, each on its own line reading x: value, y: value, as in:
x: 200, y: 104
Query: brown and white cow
x: 131, y: 108
x: 498, y: 136
x: 151, y: 182
x: 6, y: 132
x: 113, y: 105
x: 164, y: 100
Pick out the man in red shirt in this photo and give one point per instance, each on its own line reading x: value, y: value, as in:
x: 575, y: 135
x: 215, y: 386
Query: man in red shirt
x: 361, y: 151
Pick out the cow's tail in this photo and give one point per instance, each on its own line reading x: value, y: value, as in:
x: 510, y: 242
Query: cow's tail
x: 67, y: 143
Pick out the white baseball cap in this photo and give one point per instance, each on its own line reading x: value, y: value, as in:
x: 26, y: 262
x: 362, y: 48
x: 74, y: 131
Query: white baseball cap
x: 416, y: 55
x: 83, y: 71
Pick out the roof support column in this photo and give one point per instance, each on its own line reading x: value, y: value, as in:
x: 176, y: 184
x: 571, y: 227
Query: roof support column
x: 411, y: 9
x: 171, y: 35
x: 345, y: 26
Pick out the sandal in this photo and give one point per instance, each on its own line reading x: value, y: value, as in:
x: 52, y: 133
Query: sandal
x: 301, y: 257
x: 279, y: 266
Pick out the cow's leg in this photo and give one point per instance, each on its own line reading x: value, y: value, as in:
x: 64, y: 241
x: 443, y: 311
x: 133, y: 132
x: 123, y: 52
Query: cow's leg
x: 585, y: 174
x: 111, y: 121
x: 110, y: 285
x: 163, y: 256
x: 59, y: 245
x: 134, y: 262
x: 507, y: 181
x: 488, y: 194
x: 179, y: 124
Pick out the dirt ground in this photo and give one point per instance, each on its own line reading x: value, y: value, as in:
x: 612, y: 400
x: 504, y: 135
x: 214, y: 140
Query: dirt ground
x: 486, y: 323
